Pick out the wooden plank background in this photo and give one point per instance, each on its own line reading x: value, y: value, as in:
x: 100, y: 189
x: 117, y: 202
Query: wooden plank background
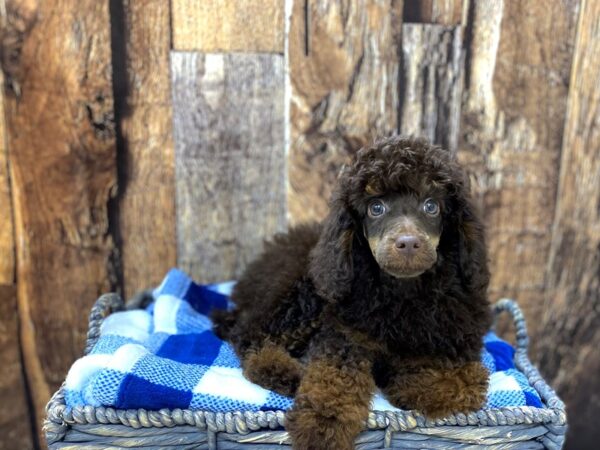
x: 141, y: 37
x: 228, y: 128
x: 512, y: 127
x: 141, y: 135
x: 227, y: 26
x: 344, y: 91
x: 571, y: 327
x: 431, y: 79
x: 61, y: 147
x: 15, y: 420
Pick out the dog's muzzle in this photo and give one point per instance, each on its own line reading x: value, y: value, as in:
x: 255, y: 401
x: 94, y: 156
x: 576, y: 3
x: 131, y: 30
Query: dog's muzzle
x: 406, y: 255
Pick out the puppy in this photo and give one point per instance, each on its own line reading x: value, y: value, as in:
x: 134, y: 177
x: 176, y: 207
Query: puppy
x: 389, y: 292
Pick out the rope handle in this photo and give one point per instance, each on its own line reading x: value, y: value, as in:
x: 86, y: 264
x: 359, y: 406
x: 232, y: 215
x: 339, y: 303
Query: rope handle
x: 103, y: 307
x: 510, y: 306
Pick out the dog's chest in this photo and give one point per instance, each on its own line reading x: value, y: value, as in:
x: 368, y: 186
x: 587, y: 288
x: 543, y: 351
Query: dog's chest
x: 413, y: 325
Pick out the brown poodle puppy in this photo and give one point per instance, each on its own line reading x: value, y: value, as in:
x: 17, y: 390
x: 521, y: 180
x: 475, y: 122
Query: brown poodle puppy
x: 389, y: 292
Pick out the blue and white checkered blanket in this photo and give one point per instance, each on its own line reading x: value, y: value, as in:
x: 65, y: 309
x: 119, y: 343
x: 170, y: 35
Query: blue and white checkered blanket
x: 166, y: 356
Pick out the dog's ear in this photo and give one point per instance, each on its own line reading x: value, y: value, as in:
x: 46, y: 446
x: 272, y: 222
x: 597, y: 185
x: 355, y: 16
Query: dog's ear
x: 330, y: 264
x: 472, y: 253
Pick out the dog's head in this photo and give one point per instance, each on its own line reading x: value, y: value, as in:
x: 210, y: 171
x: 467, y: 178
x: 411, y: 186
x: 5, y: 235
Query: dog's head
x: 407, y: 202
x: 403, y: 230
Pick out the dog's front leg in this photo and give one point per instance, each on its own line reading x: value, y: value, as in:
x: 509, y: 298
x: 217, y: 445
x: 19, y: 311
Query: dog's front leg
x: 333, y: 399
x: 436, y: 386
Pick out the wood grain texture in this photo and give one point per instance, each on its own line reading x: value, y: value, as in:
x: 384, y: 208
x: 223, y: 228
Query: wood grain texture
x: 7, y: 243
x: 62, y: 166
x: 519, y: 59
x: 344, y: 78
x: 146, y: 202
x: 15, y: 426
x: 228, y: 25
x: 15, y: 421
x: 432, y: 77
x: 571, y: 338
x: 230, y: 159
x: 444, y: 12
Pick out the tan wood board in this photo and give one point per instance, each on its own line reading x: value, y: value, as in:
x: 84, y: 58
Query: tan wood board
x: 516, y: 86
x: 344, y: 72
x: 146, y: 202
x: 228, y: 25
x: 7, y: 243
x: 571, y: 325
x: 15, y: 422
x: 431, y: 83
x: 61, y: 140
x: 230, y: 159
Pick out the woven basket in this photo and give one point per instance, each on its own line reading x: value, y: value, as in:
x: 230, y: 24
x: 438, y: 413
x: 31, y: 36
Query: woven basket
x: 523, y: 427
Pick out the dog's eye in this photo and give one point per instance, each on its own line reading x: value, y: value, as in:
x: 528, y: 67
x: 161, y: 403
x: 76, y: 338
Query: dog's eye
x: 376, y: 208
x: 431, y: 207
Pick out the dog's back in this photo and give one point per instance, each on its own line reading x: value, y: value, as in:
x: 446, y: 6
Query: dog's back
x: 267, y: 282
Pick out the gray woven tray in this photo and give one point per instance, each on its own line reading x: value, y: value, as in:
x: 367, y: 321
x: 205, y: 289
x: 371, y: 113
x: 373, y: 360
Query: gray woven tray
x: 87, y: 427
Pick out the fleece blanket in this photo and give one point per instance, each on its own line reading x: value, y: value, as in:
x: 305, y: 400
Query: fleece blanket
x: 167, y: 356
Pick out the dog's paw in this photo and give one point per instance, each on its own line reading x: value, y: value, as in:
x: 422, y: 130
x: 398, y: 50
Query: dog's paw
x: 312, y: 431
x: 440, y: 392
x: 274, y: 369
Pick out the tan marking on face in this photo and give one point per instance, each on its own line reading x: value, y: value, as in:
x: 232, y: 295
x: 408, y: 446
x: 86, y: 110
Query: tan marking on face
x: 371, y: 189
x: 373, y: 243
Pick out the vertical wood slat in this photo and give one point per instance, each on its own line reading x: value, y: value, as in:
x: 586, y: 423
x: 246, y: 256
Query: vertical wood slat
x: 228, y: 25
x: 146, y: 203
x: 519, y: 56
x: 571, y: 338
x: 60, y: 128
x: 15, y: 426
x: 344, y: 91
x: 7, y: 243
x: 15, y: 420
x: 432, y: 76
x: 230, y: 159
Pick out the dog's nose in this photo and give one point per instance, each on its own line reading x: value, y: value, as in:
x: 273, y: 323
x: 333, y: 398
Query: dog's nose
x: 407, y: 244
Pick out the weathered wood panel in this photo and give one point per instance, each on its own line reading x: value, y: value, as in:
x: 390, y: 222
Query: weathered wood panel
x: 7, y: 243
x: 230, y: 159
x: 344, y: 72
x: 444, y: 12
x: 15, y: 420
x: 431, y: 86
x: 571, y: 337
x: 519, y: 58
x: 60, y: 129
x: 146, y: 202
x: 228, y: 25
x: 15, y: 427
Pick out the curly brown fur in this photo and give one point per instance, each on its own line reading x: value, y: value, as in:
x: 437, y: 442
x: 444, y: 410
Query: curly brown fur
x: 273, y: 368
x: 346, y: 295
x: 334, y: 394
x: 330, y: 405
x: 437, y: 387
x: 275, y: 301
